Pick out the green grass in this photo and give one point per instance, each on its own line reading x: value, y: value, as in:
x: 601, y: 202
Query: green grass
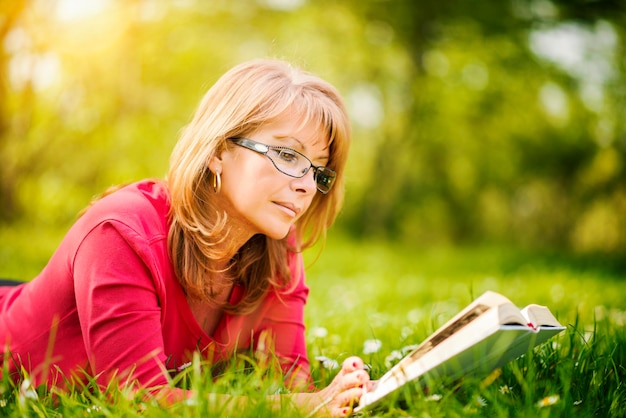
x: 367, y: 292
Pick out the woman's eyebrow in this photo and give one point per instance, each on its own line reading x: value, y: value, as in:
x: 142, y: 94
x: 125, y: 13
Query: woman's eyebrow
x: 303, y: 147
x: 289, y: 138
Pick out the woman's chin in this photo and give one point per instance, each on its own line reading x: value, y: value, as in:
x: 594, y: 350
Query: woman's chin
x: 278, y: 233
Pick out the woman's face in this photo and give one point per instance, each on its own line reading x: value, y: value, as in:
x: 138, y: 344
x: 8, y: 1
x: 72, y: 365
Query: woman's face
x: 257, y: 197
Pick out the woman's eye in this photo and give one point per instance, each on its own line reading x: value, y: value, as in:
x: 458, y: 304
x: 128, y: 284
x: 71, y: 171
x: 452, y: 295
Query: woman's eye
x: 288, y: 156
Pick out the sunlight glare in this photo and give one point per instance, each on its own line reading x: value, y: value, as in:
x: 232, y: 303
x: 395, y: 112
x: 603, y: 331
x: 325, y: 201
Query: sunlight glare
x: 40, y: 70
x: 89, y: 27
x: 554, y: 100
x: 285, y: 5
x: 365, y: 102
x: 70, y: 10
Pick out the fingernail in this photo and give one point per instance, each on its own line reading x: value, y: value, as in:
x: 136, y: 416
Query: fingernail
x: 355, y: 364
x: 345, y: 411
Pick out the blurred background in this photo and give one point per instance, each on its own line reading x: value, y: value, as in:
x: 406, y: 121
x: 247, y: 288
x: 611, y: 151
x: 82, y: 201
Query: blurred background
x: 492, y: 122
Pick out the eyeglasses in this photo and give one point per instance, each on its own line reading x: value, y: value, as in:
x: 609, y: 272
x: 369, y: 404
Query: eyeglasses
x: 291, y: 162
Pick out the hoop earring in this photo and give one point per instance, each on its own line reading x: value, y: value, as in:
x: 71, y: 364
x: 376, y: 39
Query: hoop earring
x: 217, y: 182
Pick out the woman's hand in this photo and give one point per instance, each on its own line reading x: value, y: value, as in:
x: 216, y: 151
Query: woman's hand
x: 346, y: 389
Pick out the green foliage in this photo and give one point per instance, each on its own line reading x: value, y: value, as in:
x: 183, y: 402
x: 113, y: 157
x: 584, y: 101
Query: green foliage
x: 501, y: 139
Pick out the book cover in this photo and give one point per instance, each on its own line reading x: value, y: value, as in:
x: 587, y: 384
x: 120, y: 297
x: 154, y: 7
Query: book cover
x: 484, y: 336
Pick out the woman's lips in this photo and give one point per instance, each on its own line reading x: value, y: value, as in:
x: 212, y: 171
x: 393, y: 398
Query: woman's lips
x: 289, y: 208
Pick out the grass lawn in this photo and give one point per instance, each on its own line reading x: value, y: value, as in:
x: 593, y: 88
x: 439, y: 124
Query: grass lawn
x: 372, y: 300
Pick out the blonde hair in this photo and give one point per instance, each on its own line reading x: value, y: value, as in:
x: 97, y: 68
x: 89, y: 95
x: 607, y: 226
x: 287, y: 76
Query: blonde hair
x: 244, y: 98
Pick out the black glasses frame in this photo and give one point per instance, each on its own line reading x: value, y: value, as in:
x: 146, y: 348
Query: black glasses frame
x: 324, y: 177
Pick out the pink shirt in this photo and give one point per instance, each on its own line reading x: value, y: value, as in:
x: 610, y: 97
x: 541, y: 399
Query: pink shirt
x: 108, y: 301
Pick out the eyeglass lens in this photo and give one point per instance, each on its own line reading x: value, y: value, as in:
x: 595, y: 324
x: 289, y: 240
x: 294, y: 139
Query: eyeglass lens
x: 292, y: 163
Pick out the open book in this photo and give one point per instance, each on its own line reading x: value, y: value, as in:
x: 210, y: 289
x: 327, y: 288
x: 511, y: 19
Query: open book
x: 488, y: 333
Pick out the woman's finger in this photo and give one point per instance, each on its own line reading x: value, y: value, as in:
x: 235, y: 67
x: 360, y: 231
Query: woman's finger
x: 371, y: 384
x: 346, y: 400
x: 358, y: 378
x: 352, y: 363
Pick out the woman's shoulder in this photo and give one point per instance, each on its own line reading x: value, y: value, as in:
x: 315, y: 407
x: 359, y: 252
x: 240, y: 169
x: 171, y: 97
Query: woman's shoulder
x: 145, y: 193
x: 142, y: 206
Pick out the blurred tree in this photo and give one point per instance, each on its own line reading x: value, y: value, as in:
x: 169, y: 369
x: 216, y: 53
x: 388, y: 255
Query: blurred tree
x: 497, y: 137
x: 9, y: 11
x: 497, y: 120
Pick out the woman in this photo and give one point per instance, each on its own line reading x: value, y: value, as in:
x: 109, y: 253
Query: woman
x: 208, y: 260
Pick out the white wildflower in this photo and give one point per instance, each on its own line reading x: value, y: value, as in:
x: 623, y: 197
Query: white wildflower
x: 393, y: 358
x: 27, y: 391
x: 480, y: 401
x: 372, y: 346
x: 548, y: 401
x: 93, y: 409
x: 435, y: 397
x: 408, y: 348
x: 504, y: 389
x: 327, y: 363
x: 318, y: 332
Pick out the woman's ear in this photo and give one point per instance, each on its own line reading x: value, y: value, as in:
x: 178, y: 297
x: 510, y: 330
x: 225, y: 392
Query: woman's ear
x: 215, y: 163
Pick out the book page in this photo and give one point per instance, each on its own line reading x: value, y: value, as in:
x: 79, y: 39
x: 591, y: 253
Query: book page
x: 510, y: 314
x: 478, y: 307
x: 447, y: 332
x: 540, y: 316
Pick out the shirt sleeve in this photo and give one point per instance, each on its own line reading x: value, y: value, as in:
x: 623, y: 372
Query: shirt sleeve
x: 118, y: 307
x: 283, y: 323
